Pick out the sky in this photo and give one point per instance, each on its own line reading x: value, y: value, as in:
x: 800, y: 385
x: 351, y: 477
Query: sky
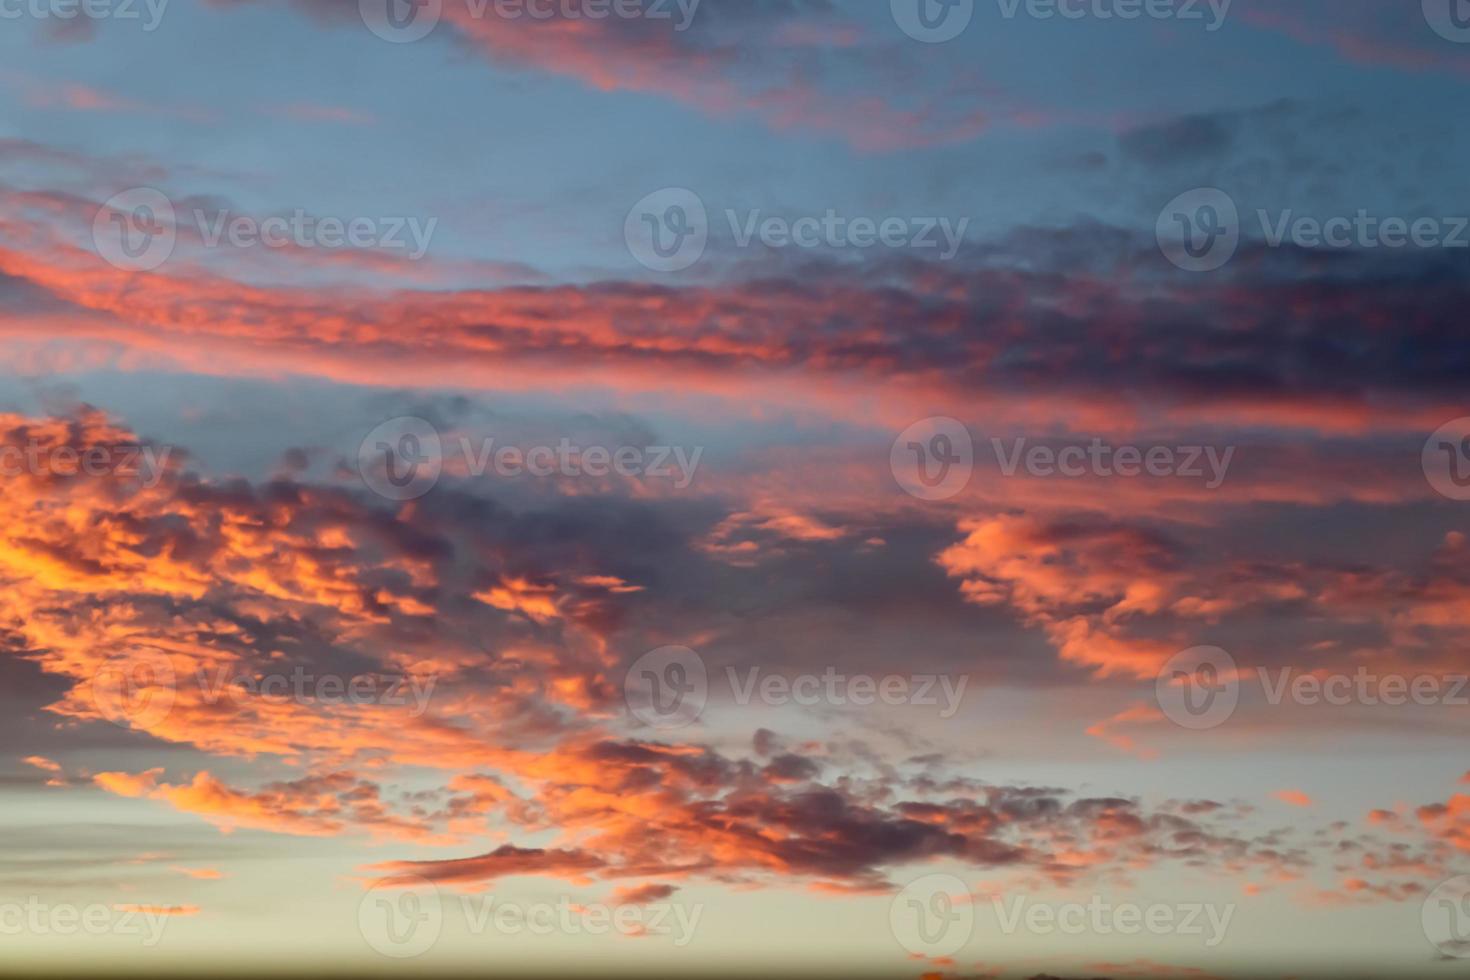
x: 925, y: 488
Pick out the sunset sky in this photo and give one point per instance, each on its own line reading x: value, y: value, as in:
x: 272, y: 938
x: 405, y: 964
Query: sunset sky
x: 909, y: 488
